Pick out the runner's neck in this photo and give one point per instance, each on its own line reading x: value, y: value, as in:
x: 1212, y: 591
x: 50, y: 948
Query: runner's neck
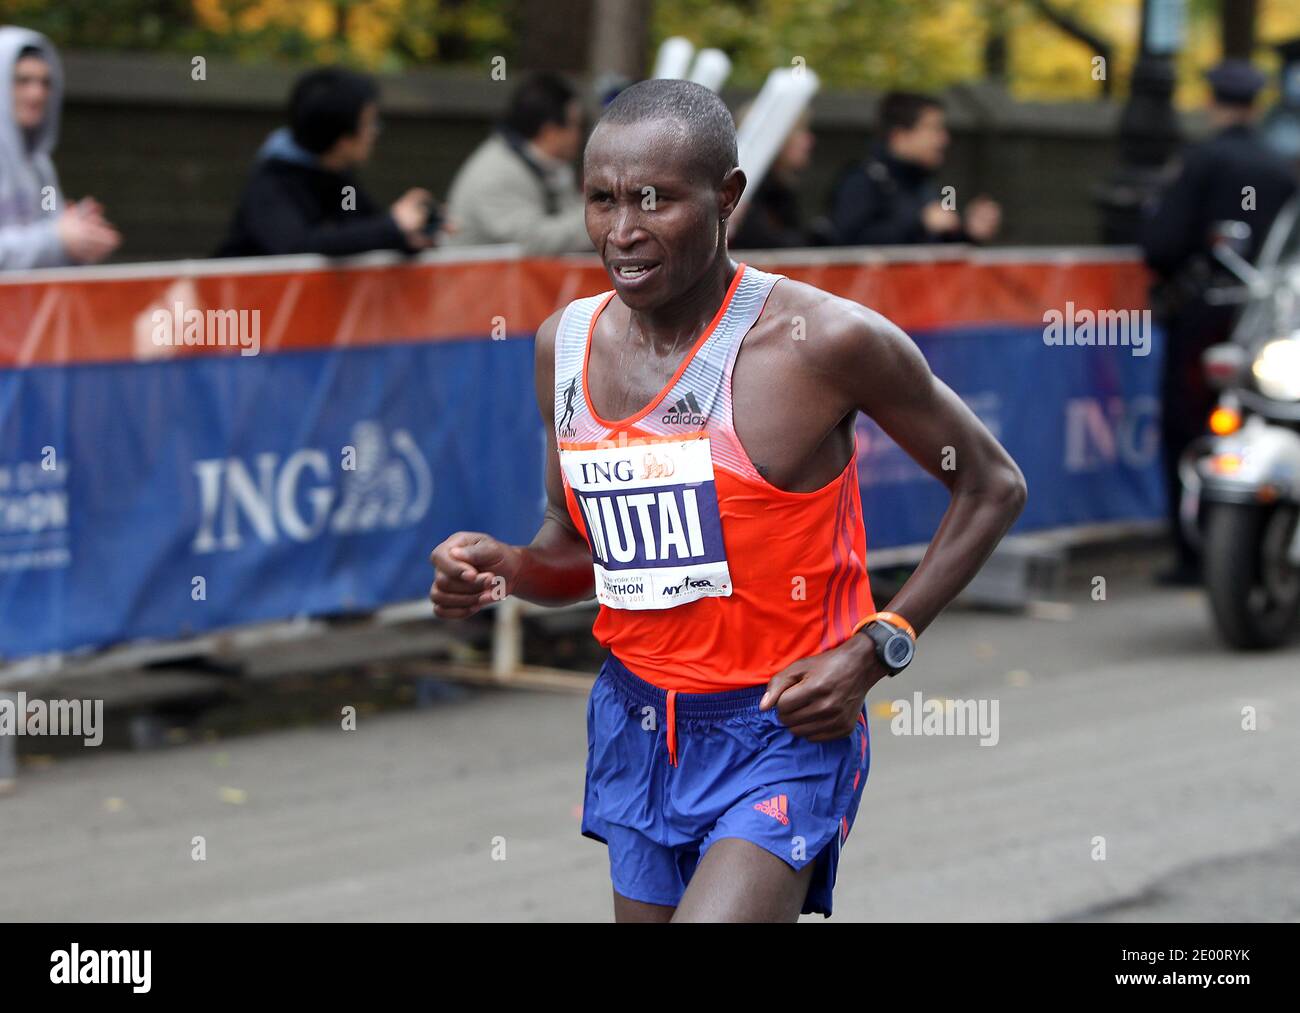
x: 678, y: 324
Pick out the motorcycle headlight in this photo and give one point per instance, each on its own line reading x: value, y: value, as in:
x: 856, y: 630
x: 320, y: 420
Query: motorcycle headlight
x: 1277, y: 370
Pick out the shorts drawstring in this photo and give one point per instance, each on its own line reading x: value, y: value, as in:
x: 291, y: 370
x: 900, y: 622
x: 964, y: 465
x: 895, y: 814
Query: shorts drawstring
x: 639, y: 695
x: 672, y: 727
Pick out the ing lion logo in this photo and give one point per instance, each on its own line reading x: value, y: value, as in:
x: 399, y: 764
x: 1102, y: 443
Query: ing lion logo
x: 391, y: 486
x: 652, y: 467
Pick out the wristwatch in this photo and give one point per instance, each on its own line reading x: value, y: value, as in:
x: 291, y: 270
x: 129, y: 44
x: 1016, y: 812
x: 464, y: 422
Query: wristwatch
x: 894, y: 638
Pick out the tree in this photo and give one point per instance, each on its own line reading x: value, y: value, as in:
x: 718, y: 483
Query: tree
x: 1237, y: 23
x: 1076, y: 29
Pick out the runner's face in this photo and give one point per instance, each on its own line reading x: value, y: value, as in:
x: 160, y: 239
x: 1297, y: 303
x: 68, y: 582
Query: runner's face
x: 652, y: 212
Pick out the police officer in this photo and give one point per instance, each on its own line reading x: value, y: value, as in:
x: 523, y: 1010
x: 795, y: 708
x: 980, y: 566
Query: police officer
x: 1231, y: 177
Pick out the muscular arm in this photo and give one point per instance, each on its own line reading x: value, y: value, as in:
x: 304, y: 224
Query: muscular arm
x: 867, y: 364
x: 555, y: 567
x: 879, y: 370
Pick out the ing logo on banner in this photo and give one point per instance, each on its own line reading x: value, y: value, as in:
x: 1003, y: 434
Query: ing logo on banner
x: 299, y: 497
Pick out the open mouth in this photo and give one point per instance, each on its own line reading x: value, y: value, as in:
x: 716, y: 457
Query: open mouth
x: 633, y: 272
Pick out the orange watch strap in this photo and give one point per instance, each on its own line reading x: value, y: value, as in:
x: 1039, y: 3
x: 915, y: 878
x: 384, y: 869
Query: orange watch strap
x: 893, y: 618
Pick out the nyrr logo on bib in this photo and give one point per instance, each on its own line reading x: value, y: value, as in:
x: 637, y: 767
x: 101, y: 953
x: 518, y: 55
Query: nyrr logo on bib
x: 651, y: 511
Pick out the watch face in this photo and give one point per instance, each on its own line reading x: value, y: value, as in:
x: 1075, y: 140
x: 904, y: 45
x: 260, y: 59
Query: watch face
x: 898, y: 651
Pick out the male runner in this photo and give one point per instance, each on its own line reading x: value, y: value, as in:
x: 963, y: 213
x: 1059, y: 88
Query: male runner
x: 702, y: 482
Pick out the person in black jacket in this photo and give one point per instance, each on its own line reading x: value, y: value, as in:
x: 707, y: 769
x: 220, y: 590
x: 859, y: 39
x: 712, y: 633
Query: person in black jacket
x: 891, y: 198
x: 302, y: 196
x: 773, y: 219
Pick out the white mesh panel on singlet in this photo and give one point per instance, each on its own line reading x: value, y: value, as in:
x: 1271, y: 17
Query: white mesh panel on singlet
x: 700, y: 399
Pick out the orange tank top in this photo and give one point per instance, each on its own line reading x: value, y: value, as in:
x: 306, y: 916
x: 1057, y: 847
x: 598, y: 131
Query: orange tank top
x: 708, y: 576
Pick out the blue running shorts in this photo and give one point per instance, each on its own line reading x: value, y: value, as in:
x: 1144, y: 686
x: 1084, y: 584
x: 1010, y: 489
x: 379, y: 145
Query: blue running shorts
x: 669, y: 773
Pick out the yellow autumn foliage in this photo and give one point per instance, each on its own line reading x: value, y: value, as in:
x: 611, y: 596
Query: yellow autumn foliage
x: 850, y: 43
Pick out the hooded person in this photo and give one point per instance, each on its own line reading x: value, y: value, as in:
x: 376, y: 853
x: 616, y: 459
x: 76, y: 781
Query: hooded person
x: 36, y: 228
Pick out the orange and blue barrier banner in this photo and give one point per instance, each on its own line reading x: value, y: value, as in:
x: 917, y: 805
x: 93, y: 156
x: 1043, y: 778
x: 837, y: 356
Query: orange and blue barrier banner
x: 185, y: 447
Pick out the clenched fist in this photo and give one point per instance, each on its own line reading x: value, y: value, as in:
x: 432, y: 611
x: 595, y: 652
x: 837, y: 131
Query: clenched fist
x: 473, y: 570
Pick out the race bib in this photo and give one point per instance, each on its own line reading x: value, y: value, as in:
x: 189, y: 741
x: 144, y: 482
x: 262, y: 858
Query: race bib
x: 651, y: 512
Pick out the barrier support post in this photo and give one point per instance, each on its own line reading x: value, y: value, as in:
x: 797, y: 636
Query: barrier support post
x: 9, y: 752
x: 507, y: 639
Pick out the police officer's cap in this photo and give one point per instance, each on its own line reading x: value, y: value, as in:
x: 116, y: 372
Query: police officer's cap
x: 1235, y: 82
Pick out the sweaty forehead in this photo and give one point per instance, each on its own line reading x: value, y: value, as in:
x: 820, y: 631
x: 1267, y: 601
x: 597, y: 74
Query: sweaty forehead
x: 658, y: 148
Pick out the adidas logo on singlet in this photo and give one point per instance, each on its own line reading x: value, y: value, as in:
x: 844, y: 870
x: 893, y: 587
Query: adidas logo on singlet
x: 686, y: 412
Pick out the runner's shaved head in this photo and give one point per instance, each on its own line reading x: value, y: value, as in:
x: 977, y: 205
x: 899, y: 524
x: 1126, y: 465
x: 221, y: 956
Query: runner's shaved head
x: 699, y: 115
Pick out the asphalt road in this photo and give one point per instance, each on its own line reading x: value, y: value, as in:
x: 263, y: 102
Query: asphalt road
x: 1119, y: 720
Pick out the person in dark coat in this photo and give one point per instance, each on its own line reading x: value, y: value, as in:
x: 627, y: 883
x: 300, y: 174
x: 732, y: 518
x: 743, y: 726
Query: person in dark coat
x: 773, y: 219
x: 1231, y: 177
x: 892, y: 199
x: 302, y: 196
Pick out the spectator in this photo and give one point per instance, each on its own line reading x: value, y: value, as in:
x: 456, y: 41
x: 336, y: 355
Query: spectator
x: 302, y: 196
x: 519, y: 186
x: 891, y: 198
x: 36, y: 229
x: 773, y: 219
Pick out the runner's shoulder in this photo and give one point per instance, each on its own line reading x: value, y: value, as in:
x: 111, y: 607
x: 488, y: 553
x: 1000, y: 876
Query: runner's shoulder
x: 546, y: 333
x: 544, y: 362
x: 544, y: 342
x: 545, y: 336
x: 831, y: 333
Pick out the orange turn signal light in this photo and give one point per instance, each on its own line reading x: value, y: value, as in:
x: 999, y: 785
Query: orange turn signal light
x: 1225, y: 421
x: 1227, y: 464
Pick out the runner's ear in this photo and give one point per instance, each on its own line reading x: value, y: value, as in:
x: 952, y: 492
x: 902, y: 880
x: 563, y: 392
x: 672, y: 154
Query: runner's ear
x: 733, y: 185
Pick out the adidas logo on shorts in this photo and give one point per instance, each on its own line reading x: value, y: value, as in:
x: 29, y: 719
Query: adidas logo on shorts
x: 776, y: 807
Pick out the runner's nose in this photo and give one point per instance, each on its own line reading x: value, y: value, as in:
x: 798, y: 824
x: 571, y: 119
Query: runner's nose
x: 627, y: 229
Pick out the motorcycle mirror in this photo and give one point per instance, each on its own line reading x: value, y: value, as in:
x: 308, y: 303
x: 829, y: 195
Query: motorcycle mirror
x: 1224, y: 365
x: 1236, y: 234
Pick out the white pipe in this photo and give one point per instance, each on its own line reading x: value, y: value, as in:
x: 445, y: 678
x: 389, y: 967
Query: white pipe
x: 775, y: 111
x: 711, y: 69
x: 674, y: 59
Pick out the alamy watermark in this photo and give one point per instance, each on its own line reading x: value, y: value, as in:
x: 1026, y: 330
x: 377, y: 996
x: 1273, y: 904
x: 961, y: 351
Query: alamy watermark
x: 919, y: 716
x: 214, y: 328
x: 1105, y: 328
x: 75, y: 966
x: 82, y: 719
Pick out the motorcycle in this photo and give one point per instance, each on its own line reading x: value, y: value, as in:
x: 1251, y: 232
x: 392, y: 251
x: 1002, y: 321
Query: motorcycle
x: 1241, y: 484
